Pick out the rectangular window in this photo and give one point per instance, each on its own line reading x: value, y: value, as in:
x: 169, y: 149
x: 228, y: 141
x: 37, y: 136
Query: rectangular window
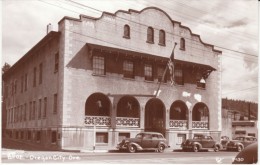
x: 22, y: 84
x: 44, y: 108
x: 55, y: 104
x: 22, y: 135
x: 56, y: 64
x: 34, y: 76
x: 53, y: 137
x: 181, y: 138
x: 178, y: 75
x: 25, y: 82
x: 38, y: 136
x: 40, y: 73
x: 29, y: 135
x: 98, y: 65
x: 30, y: 111
x: 123, y: 136
x: 101, y: 137
x: 148, y: 72
x: 25, y: 112
x: 160, y: 71
x: 128, y: 69
x: 15, y: 86
x: 40, y: 109
x: 34, y: 110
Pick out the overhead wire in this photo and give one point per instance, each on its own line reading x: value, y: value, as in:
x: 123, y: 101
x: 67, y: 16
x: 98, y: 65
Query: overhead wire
x: 188, y: 38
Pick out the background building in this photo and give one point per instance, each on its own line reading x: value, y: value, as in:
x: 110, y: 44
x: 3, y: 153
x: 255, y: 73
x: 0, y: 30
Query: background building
x: 94, y: 82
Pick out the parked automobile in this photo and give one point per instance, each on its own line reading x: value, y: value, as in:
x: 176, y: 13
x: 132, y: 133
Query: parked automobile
x: 239, y: 143
x: 248, y: 155
x: 144, y: 141
x: 200, y: 142
x: 224, y: 140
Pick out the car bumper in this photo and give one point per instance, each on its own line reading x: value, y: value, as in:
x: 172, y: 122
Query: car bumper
x: 186, y: 147
x: 231, y: 147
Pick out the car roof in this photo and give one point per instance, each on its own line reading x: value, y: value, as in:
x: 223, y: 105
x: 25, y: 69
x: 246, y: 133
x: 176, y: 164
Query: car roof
x: 152, y: 133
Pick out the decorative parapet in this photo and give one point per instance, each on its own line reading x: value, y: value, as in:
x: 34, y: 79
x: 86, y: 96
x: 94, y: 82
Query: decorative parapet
x: 98, y: 121
x: 200, y: 124
x: 181, y: 124
x: 127, y: 122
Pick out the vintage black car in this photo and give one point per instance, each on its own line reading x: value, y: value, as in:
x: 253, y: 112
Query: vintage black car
x: 201, y: 142
x: 239, y: 143
x: 144, y: 141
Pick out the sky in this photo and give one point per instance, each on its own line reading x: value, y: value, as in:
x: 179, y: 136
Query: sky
x: 230, y: 25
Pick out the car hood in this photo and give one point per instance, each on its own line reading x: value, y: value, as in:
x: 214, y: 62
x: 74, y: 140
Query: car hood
x: 131, y: 139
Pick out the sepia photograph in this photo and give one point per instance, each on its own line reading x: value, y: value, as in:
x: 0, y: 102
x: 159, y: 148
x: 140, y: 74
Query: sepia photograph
x: 130, y: 82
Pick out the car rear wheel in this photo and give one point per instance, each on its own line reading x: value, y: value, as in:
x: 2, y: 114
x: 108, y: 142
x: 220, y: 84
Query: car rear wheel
x: 195, y: 148
x: 216, y: 148
x: 239, y: 148
x: 131, y: 148
x: 161, y: 148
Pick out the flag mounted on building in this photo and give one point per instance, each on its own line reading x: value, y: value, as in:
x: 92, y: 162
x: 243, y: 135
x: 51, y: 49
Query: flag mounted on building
x: 171, y: 67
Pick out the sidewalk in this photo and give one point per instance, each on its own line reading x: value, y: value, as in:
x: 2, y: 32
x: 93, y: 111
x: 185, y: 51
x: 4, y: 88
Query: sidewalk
x: 9, y: 145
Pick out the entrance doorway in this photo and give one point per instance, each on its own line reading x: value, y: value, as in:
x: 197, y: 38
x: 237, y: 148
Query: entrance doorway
x: 155, y: 116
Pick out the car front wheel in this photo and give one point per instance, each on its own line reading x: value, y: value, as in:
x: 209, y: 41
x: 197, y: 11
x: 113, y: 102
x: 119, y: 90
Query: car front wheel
x: 195, y: 148
x: 161, y: 148
x: 239, y: 148
x: 131, y: 148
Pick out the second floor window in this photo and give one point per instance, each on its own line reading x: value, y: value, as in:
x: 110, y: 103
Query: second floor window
x: 160, y: 71
x: 128, y: 69
x: 98, y: 65
x: 55, y: 104
x: 56, y: 64
x: 25, y: 82
x: 150, y: 35
x: 34, y: 76
x: 148, y: 72
x: 40, y: 73
x: 161, y: 37
x: 182, y: 44
x: 126, y: 31
x: 22, y: 84
x: 44, y: 108
x: 178, y: 76
x: 40, y: 108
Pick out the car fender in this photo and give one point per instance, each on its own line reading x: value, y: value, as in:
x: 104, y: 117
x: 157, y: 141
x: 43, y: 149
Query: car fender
x: 197, y: 143
x: 219, y: 145
x: 138, y: 147
x: 165, y: 145
x: 240, y: 144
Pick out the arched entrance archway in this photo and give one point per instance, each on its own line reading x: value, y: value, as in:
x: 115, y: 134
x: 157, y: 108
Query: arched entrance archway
x: 128, y: 112
x: 128, y: 106
x: 155, y: 116
x: 178, y: 111
x: 178, y: 115
x: 200, y: 116
x: 97, y: 104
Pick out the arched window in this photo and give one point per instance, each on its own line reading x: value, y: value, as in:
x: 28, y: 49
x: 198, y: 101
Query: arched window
x: 161, y: 37
x: 126, y: 31
x: 150, y: 35
x: 182, y: 44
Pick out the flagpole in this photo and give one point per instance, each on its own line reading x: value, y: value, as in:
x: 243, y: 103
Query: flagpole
x: 165, y: 70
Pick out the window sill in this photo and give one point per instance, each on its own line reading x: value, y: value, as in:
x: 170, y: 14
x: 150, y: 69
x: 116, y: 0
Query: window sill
x: 100, y: 75
x: 126, y: 37
x: 149, y: 81
x: 150, y: 42
x: 101, y: 144
x: 127, y: 78
x: 182, y: 49
x: 161, y: 44
x: 201, y: 88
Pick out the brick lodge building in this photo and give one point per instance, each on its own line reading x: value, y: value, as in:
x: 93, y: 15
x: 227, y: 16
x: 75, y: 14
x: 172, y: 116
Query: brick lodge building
x: 93, y: 83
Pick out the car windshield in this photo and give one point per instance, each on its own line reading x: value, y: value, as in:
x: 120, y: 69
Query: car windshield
x: 139, y: 136
x: 239, y: 138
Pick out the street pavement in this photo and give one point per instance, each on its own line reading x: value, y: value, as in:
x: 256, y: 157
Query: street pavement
x: 34, y: 155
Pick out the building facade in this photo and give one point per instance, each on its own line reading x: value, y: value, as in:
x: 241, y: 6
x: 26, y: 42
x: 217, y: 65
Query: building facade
x: 95, y: 82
